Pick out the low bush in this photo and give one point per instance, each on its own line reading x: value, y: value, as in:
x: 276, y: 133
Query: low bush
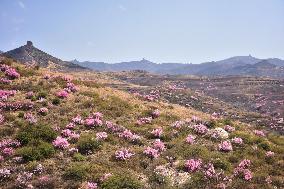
x: 88, y: 143
x: 36, y: 151
x: 121, y: 181
x: 35, y: 132
x: 76, y: 171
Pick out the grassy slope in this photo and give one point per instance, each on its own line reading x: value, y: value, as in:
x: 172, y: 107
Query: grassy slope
x: 70, y: 171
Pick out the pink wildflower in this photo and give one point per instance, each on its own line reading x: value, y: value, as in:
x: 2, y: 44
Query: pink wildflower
x: 8, y: 151
x: 229, y: 128
x: 225, y: 146
x: 101, y: 135
x: 43, y: 111
x: 156, y: 113
x: 123, y: 154
x: 193, y: 165
x: 269, y: 154
x: 259, y: 133
x: 178, y: 124
x: 237, y: 140
x: 78, y: 120
x: 209, y: 171
x: 190, y: 139
x: 144, y: 120
x: 157, y: 132
x: 151, y: 152
x: 159, y: 145
x: 62, y: 94
x: 60, y: 142
x: 92, y: 185
x: 200, y: 129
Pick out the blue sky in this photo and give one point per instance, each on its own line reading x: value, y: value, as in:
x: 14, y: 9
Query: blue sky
x: 159, y: 30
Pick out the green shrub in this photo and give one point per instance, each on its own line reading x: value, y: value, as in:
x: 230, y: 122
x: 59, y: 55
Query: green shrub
x: 56, y: 101
x: 222, y: 164
x: 42, y: 94
x: 121, y: 181
x: 76, y: 171
x: 88, y: 143
x: 79, y: 157
x: 36, y: 152
x: 35, y: 132
x: 265, y: 145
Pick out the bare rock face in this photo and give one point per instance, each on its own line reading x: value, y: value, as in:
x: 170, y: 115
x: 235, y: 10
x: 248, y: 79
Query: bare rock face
x: 29, y: 43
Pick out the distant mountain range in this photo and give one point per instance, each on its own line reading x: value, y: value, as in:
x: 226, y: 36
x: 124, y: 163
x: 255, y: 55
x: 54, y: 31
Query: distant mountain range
x: 238, y: 65
x: 30, y: 55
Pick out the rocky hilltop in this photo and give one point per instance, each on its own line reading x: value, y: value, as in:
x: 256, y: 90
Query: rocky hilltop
x: 28, y: 54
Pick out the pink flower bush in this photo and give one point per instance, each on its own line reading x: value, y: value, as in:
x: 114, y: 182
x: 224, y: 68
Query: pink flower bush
x: 144, y: 120
x: 225, y: 146
x: 70, y: 126
x: 70, y: 87
x: 178, y: 124
x: 93, y: 122
x: 9, y: 143
x: 193, y: 165
x: 92, y: 185
x: 4, y: 173
x: 259, y: 133
x: 243, y: 170
x: 61, y: 143
x: 70, y: 134
x: 123, y: 154
x: 159, y: 145
x: 157, y: 132
x: 269, y: 154
x: 5, y: 80
x: 229, y: 128
x: 127, y: 134
x: 156, y: 113
x: 78, y: 120
x: 151, y: 152
x: 209, y: 171
x: 8, y: 151
x: 190, y: 139
x: 16, y: 106
x: 73, y: 150
x: 30, y: 94
x: 62, y: 94
x: 200, y: 129
x: 12, y: 73
x: 195, y: 119
x: 5, y: 94
x: 98, y: 115
x: 101, y: 135
x: 113, y: 127
x: 237, y: 141
x: 43, y: 111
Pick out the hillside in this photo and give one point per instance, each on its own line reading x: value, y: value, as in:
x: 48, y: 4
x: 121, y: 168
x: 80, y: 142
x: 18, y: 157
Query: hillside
x: 230, y: 66
x: 30, y: 55
x: 80, y: 131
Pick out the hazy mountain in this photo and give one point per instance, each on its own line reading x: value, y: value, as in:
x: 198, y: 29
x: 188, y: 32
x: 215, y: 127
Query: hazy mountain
x: 238, y: 65
x: 1, y: 52
x: 28, y: 54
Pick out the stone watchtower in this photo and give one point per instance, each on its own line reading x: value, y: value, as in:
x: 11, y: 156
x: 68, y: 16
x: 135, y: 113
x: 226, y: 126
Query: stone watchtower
x: 29, y: 43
